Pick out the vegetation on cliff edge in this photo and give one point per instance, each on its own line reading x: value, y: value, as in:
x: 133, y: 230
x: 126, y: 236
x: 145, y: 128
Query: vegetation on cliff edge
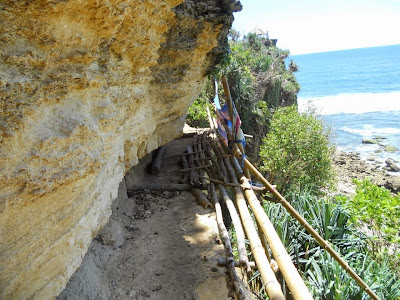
x: 294, y: 152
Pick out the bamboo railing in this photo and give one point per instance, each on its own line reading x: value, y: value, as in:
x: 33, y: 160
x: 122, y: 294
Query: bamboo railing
x: 271, y: 284
x: 290, y: 273
x: 224, y: 171
x: 253, y: 170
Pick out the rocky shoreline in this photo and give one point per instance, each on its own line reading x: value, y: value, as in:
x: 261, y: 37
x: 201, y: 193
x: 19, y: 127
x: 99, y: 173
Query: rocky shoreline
x: 349, y: 166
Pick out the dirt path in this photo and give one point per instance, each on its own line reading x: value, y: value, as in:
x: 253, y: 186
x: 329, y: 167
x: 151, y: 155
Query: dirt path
x: 157, y: 245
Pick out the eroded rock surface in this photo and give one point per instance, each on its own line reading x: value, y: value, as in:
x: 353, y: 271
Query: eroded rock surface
x: 87, y: 88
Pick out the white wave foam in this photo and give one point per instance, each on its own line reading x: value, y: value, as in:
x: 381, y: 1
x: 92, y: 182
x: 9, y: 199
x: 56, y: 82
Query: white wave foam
x: 352, y: 103
x: 369, y: 130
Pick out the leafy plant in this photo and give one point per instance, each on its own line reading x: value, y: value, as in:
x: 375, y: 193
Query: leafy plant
x: 377, y: 211
x: 378, y: 208
x: 322, y: 274
x: 197, y: 112
x: 259, y: 83
x: 296, y: 151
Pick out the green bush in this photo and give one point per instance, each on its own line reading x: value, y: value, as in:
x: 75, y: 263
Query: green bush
x: 322, y: 274
x: 377, y: 207
x: 296, y: 152
x: 377, y: 211
x: 197, y: 112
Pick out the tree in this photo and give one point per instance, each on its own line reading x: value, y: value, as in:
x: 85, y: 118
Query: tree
x: 296, y: 151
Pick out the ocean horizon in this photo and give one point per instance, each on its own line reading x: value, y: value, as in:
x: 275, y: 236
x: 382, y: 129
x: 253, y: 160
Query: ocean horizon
x: 357, y: 94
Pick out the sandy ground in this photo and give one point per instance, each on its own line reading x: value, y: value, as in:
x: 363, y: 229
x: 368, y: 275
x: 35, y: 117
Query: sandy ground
x: 157, y: 245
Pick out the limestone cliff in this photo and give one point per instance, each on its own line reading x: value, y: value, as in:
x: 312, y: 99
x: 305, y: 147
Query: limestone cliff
x: 87, y: 88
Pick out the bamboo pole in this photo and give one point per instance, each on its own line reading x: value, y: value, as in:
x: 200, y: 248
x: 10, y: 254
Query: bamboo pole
x: 229, y: 262
x: 213, y: 128
x: 216, y: 166
x: 216, y: 151
x: 198, y: 157
x: 210, y: 158
x: 236, y: 223
x: 288, y: 270
x: 187, y: 154
x: 260, y: 189
x: 194, y: 176
x: 263, y: 241
x: 307, y: 226
x: 201, y: 198
x: 241, y: 245
x: 197, y: 168
x: 185, y: 165
x: 220, y: 162
x: 156, y: 163
x: 194, y: 152
x: 224, y: 262
x: 163, y: 187
x: 230, y: 108
x: 271, y: 285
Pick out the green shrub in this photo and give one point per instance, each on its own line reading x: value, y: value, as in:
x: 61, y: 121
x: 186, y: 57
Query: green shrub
x: 322, y: 274
x: 377, y: 207
x: 296, y: 151
x: 197, y: 112
x: 377, y: 211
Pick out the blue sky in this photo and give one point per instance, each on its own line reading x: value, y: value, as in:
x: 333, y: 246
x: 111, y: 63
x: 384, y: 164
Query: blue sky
x: 308, y: 26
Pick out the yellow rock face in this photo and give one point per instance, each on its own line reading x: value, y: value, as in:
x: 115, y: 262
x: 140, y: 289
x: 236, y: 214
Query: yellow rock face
x: 87, y: 88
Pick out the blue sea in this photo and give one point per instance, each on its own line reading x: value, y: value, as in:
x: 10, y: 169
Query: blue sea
x: 357, y: 94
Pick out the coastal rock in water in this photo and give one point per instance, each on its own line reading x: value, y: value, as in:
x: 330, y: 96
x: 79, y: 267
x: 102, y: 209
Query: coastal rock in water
x: 390, y: 149
x: 87, y: 88
x: 392, y: 166
x: 370, y: 141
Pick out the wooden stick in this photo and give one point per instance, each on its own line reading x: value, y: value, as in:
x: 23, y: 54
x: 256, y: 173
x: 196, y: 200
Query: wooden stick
x: 185, y: 165
x: 271, y: 285
x: 237, y: 185
x: 246, y: 172
x: 156, y: 164
x: 213, y: 133
x: 230, y: 108
x: 199, y: 143
x: 216, y: 167
x: 201, y: 198
x: 192, y: 133
x: 194, y: 176
x: 196, y: 168
x: 163, y: 187
x: 223, y: 262
x: 289, y: 271
x: 223, y: 175
x: 308, y: 227
x: 187, y: 154
x: 199, y: 158
x: 240, y: 237
x: 194, y: 152
x: 228, y: 97
x: 220, y: 162
x: 263, y: 241
x: 229, y: 262
x: 236, y: 223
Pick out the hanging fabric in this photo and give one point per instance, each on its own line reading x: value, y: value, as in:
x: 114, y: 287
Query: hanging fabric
x: 223, y: 118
